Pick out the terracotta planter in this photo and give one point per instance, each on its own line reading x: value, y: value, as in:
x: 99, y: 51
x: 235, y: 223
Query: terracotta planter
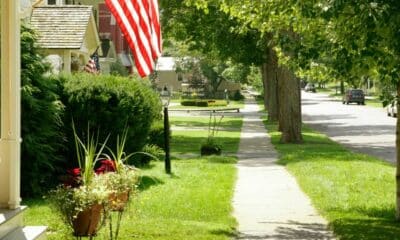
x: 118, y: 201
x: 87, y: 222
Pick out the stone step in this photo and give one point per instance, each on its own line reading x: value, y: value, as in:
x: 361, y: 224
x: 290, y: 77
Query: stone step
x: 10, y: 219
x: 27, y: 233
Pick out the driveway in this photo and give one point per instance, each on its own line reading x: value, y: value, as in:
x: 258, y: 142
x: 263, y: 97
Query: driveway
x: 363, y: 129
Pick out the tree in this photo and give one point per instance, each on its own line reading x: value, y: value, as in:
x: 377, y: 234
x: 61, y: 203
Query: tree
x: 41, y: 124
x: 237, y: 41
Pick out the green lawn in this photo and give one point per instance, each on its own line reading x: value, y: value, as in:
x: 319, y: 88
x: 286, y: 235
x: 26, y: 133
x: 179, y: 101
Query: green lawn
x: 355, y: 192
x: 192, y: 203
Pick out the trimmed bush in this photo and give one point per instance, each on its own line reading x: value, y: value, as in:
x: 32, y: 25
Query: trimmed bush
x: 237, y: 96
x: 149, y: 152
x: 109, y: 104
x: 188, y: 103
x: 204, y: 103
x: 41, y: 121
x: 156, y: 134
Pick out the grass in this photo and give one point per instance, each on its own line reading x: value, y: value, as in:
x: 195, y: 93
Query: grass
x: 189, y: 141
x: 192, y: 203
x: 355, y: 192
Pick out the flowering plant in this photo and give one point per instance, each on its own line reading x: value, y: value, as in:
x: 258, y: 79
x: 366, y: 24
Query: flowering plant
x: 119, y: 177
x: 69, y: 201
x: 82, y: 189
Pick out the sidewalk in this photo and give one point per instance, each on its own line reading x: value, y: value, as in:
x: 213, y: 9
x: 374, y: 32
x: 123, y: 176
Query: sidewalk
x: 268, y: 203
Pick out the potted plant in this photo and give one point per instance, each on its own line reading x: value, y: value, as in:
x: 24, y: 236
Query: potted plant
x: 80, y: 200
x: 81, y: 207
x: 120, y: 178
x: 211, y: 145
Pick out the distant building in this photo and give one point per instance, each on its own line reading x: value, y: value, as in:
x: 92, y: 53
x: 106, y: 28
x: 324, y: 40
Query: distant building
x: 167, y: 75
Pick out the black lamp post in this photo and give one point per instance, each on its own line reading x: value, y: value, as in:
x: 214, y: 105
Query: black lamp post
x: 165, y: 97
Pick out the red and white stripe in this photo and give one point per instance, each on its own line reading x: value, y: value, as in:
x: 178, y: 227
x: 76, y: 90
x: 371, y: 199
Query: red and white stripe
x: 90, y: 66
x: 139, y: 22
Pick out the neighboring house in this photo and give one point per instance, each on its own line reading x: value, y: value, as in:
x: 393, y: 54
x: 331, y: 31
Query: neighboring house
x: 68, y: 31
x: 166, y: 74
x: 112, y: 37
x: 229, y: 86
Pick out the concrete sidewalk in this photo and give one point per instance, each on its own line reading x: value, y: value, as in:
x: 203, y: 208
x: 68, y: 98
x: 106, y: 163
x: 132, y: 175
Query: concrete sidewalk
x: 268, y: 203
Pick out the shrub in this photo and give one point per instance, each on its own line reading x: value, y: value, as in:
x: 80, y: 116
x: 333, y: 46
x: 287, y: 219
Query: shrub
x: 237, y: 96
x: 156, y: 134
x: 109, y: 104
x: 148, y: 153
x: 41, y: 121
x: 204, y: 103
x: 188, y: 103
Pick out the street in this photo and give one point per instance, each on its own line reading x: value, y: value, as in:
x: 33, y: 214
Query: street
x: 360, y: 128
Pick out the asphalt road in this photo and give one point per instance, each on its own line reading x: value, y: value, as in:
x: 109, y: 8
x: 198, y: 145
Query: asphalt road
x: 360, y: 128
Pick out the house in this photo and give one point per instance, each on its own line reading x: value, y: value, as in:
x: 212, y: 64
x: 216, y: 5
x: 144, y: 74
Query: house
x: 68, y: 31
x: 167, y: 75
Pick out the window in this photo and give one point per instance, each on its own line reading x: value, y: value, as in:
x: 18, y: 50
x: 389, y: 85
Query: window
x: 51, y: 2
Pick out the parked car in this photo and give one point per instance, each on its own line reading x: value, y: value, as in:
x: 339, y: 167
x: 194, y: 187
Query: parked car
x: 310, y: 88
x: 354, y: 96
x: 392, y: 109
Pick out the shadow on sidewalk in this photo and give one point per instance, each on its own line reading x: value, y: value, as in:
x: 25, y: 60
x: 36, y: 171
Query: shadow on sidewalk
x: 295, y: 230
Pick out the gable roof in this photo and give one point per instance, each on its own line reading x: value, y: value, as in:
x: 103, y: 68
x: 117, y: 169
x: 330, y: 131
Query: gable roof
x: 166, y: 64
x: 61, y: 27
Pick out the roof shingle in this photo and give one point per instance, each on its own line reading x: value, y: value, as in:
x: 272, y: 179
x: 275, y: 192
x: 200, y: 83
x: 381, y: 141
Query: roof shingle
x: 61, y: 27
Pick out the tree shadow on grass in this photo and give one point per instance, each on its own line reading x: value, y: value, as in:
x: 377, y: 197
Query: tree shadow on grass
x: 195, y: 123
x: 146, y: 182
x: 366, y: 229
x: 181, y: 144
x: 221, y: 159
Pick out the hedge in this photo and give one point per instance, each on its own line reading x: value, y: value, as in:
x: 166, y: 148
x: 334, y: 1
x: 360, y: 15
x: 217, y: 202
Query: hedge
x: 204, y: 103
x: 41, y: 121
x: 107, y: 104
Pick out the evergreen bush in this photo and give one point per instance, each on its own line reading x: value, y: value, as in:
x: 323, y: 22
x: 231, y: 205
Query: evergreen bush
x: 156, y: 134
x: 109, y: 104
x: 41, y: 124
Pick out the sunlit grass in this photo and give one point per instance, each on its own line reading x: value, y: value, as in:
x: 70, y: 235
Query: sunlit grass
x: 192, y: 203
x: 194, y: 131
x: 355, y: 192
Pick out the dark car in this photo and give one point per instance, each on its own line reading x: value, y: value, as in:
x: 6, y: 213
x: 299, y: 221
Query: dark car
x: 310, y: 87
x: 392, y: 109
x: 354, y: 96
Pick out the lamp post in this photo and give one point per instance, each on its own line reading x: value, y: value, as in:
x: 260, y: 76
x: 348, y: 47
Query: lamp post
x: 165, y: 97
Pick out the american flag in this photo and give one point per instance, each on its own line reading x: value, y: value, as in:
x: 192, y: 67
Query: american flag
x: 90, y: 67
x: 140, y: 24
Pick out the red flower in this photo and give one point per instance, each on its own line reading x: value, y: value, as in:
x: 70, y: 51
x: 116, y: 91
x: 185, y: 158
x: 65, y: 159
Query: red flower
x: 73, y: 178
x: 106, y: 166
x: 74, y: 171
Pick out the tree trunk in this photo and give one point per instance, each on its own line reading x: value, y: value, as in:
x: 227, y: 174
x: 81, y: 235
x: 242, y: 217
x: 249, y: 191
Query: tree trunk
x: 398, y: 159
x: 289, y: 106
x: 264, y: 80
x: 272, y: 81
x: 341, y: 87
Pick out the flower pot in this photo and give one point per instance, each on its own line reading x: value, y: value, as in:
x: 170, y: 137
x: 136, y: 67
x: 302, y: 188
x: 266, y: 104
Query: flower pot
x: 117, y: 201
x: 210, y: 150
x: 86, y: 223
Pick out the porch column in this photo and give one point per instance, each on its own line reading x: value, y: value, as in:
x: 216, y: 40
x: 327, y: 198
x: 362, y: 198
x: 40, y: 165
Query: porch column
x: 67, y: 61
x: 10, y: 142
